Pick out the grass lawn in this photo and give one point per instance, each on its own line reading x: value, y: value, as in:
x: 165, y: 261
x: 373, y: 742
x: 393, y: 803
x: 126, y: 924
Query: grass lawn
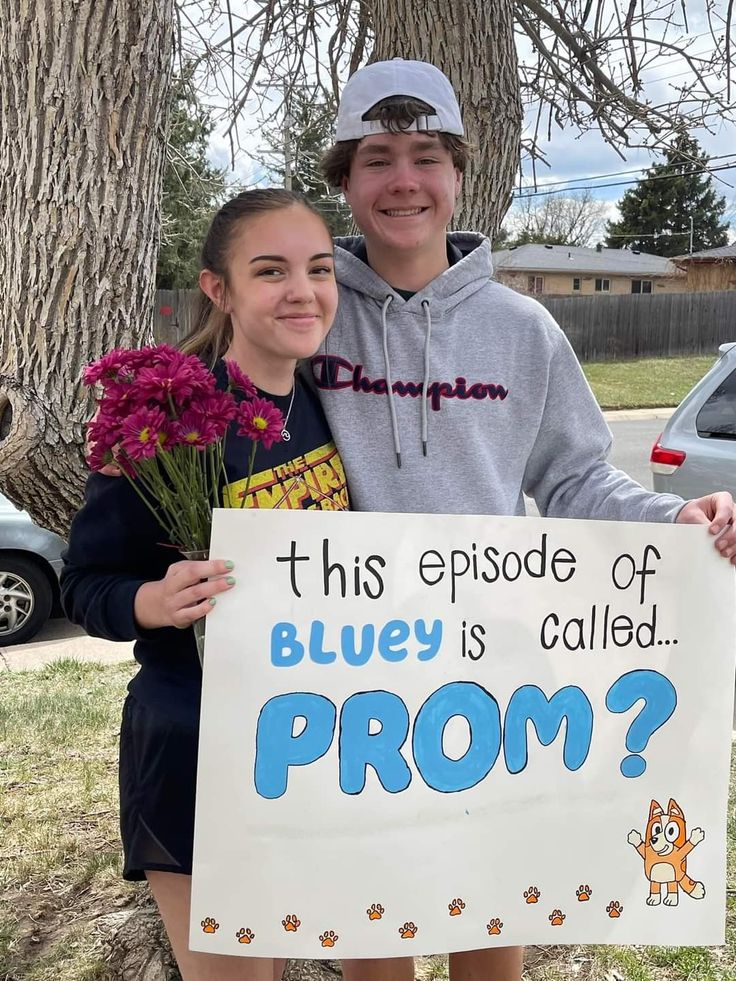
x: 59, y: 846
x: 645, y: 383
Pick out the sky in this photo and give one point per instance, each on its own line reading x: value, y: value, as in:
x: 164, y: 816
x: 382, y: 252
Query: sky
x: 572, y: 157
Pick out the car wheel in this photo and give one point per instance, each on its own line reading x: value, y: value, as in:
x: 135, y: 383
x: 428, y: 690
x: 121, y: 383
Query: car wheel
x: 25, y: 599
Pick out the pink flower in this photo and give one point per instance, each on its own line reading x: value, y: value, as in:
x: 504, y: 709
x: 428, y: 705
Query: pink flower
x: 194, y: 429
x: 162, y: 382
x: 104, y: 428
x: 202, y: 379
x: 114, y: 366
x: 103, y: 434
x: 163, y: 354
x: 142, y: 433
x: 261, y: 421
x: 219, y: 410
x: 239, y: 380
x: 120, y: 399
x: 99, y: 454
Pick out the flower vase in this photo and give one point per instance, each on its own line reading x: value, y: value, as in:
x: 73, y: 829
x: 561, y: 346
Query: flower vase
x: 198, y: 555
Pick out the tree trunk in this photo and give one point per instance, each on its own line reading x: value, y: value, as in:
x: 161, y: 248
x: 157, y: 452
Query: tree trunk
x: 83, y: 106
x: 472, y: 41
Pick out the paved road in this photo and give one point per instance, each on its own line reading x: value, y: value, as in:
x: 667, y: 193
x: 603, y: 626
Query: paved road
x: 632, y: 443
x: 633, y: 435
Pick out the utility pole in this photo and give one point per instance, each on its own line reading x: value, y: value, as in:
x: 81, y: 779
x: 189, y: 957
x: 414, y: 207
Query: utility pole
x: 691, y: 234
x: 286, y: 128
x: 287, y: 150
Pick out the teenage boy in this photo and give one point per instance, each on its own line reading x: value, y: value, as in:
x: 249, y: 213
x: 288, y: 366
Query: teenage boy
x: 445, y: 391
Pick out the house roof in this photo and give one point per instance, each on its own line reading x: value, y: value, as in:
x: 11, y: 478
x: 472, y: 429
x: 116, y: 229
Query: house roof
x: 576, y: 259
x: 725, y: 252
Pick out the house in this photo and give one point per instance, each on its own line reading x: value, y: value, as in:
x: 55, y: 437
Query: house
x: 712, y: 269
x: 568, y: 270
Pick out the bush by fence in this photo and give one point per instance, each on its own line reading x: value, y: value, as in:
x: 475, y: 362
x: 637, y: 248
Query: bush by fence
x: 600, y: 328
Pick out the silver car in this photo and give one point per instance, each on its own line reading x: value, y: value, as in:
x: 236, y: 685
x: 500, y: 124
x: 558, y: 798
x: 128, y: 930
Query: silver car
x: 696, y: 453
x: 30, y: 563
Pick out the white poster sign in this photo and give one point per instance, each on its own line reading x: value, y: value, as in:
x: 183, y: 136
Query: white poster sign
x: 427, y: 733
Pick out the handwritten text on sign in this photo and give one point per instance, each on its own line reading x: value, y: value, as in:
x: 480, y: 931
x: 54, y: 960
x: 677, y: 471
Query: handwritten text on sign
x: 378, y: 697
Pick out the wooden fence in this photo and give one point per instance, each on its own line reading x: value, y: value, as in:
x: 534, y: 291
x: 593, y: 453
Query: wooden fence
x: 174, y: 315
x: 600, y: 328
x: 607, y: 328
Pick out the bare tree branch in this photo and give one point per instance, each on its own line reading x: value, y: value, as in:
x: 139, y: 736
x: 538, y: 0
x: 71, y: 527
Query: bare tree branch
x: 586, y: 63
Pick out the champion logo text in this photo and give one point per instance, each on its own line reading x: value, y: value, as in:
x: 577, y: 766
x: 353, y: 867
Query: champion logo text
x: 332, y: 373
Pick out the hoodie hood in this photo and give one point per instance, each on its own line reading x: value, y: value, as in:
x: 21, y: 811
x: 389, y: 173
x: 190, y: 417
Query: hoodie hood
x: 469, y: 274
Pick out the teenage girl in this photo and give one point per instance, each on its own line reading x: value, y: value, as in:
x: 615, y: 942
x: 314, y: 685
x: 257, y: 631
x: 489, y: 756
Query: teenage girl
x: 268, y: 299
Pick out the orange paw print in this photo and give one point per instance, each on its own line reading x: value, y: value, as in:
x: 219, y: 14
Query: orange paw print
x: 583, y: 893
x: 532, y: 894
x: 329, y: 938
x: 375, y: 912
x: 291, y: 924
x: 494, y: 927
x: 456, y: 907
x: 408, y: 931
x: 209, y: 925
x: 614, y: 909
x: 557, y: 917
x: 245, y: 935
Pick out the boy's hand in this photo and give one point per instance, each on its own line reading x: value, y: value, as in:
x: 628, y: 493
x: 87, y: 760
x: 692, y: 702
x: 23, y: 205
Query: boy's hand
x: 719, y: 513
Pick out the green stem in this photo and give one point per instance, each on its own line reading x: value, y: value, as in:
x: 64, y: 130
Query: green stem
x: 251, y: 463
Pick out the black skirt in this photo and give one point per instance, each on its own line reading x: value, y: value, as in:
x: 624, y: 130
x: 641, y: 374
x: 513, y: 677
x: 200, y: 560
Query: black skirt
x: 158, y: 778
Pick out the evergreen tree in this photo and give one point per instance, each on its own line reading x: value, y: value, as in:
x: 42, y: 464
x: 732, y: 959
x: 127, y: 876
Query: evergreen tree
x: 309, y: 133
x: 192, y: 190
x: 656, y: 213
x: 502, y: 239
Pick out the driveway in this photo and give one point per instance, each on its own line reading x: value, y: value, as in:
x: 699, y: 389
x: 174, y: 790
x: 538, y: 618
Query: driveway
x: 61, y: 639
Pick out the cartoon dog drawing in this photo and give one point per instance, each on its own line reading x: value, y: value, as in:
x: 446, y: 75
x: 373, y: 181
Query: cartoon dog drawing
x: 664, y: 850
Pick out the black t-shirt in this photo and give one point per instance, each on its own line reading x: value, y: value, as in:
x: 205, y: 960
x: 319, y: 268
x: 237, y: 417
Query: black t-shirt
x: 116, y: 544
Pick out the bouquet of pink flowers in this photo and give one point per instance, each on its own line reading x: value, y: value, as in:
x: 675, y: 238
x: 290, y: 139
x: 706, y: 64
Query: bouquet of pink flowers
x: 163, y: 421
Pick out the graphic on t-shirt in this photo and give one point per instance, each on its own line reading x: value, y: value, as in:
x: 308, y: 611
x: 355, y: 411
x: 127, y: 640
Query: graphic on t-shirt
x: 315, y: 480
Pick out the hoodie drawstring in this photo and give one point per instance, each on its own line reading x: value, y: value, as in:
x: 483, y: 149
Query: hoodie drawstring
x: 425, y: 386
x: 389, y: 381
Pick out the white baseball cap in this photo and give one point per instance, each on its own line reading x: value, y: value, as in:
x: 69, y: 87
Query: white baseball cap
x: 384, y: 79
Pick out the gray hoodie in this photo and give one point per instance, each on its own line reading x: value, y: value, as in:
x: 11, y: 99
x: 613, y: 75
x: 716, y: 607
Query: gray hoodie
x: 507, y: 407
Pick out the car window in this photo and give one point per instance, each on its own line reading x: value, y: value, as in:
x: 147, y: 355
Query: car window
x: 717, y: 418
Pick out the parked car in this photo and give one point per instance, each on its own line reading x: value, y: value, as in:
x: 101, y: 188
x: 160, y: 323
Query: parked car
x: 696, y: 453
x: 30, y: 563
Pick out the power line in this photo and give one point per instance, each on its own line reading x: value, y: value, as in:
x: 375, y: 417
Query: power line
x: 656, y: 177
x: 618, y: 173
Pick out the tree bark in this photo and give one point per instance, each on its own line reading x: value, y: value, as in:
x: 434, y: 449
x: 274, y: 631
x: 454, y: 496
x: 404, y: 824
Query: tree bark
x: 83, y: 112
x: 472, y: 41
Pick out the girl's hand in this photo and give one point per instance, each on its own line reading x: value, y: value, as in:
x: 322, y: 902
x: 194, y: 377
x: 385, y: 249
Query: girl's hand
x: 187, y: 592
